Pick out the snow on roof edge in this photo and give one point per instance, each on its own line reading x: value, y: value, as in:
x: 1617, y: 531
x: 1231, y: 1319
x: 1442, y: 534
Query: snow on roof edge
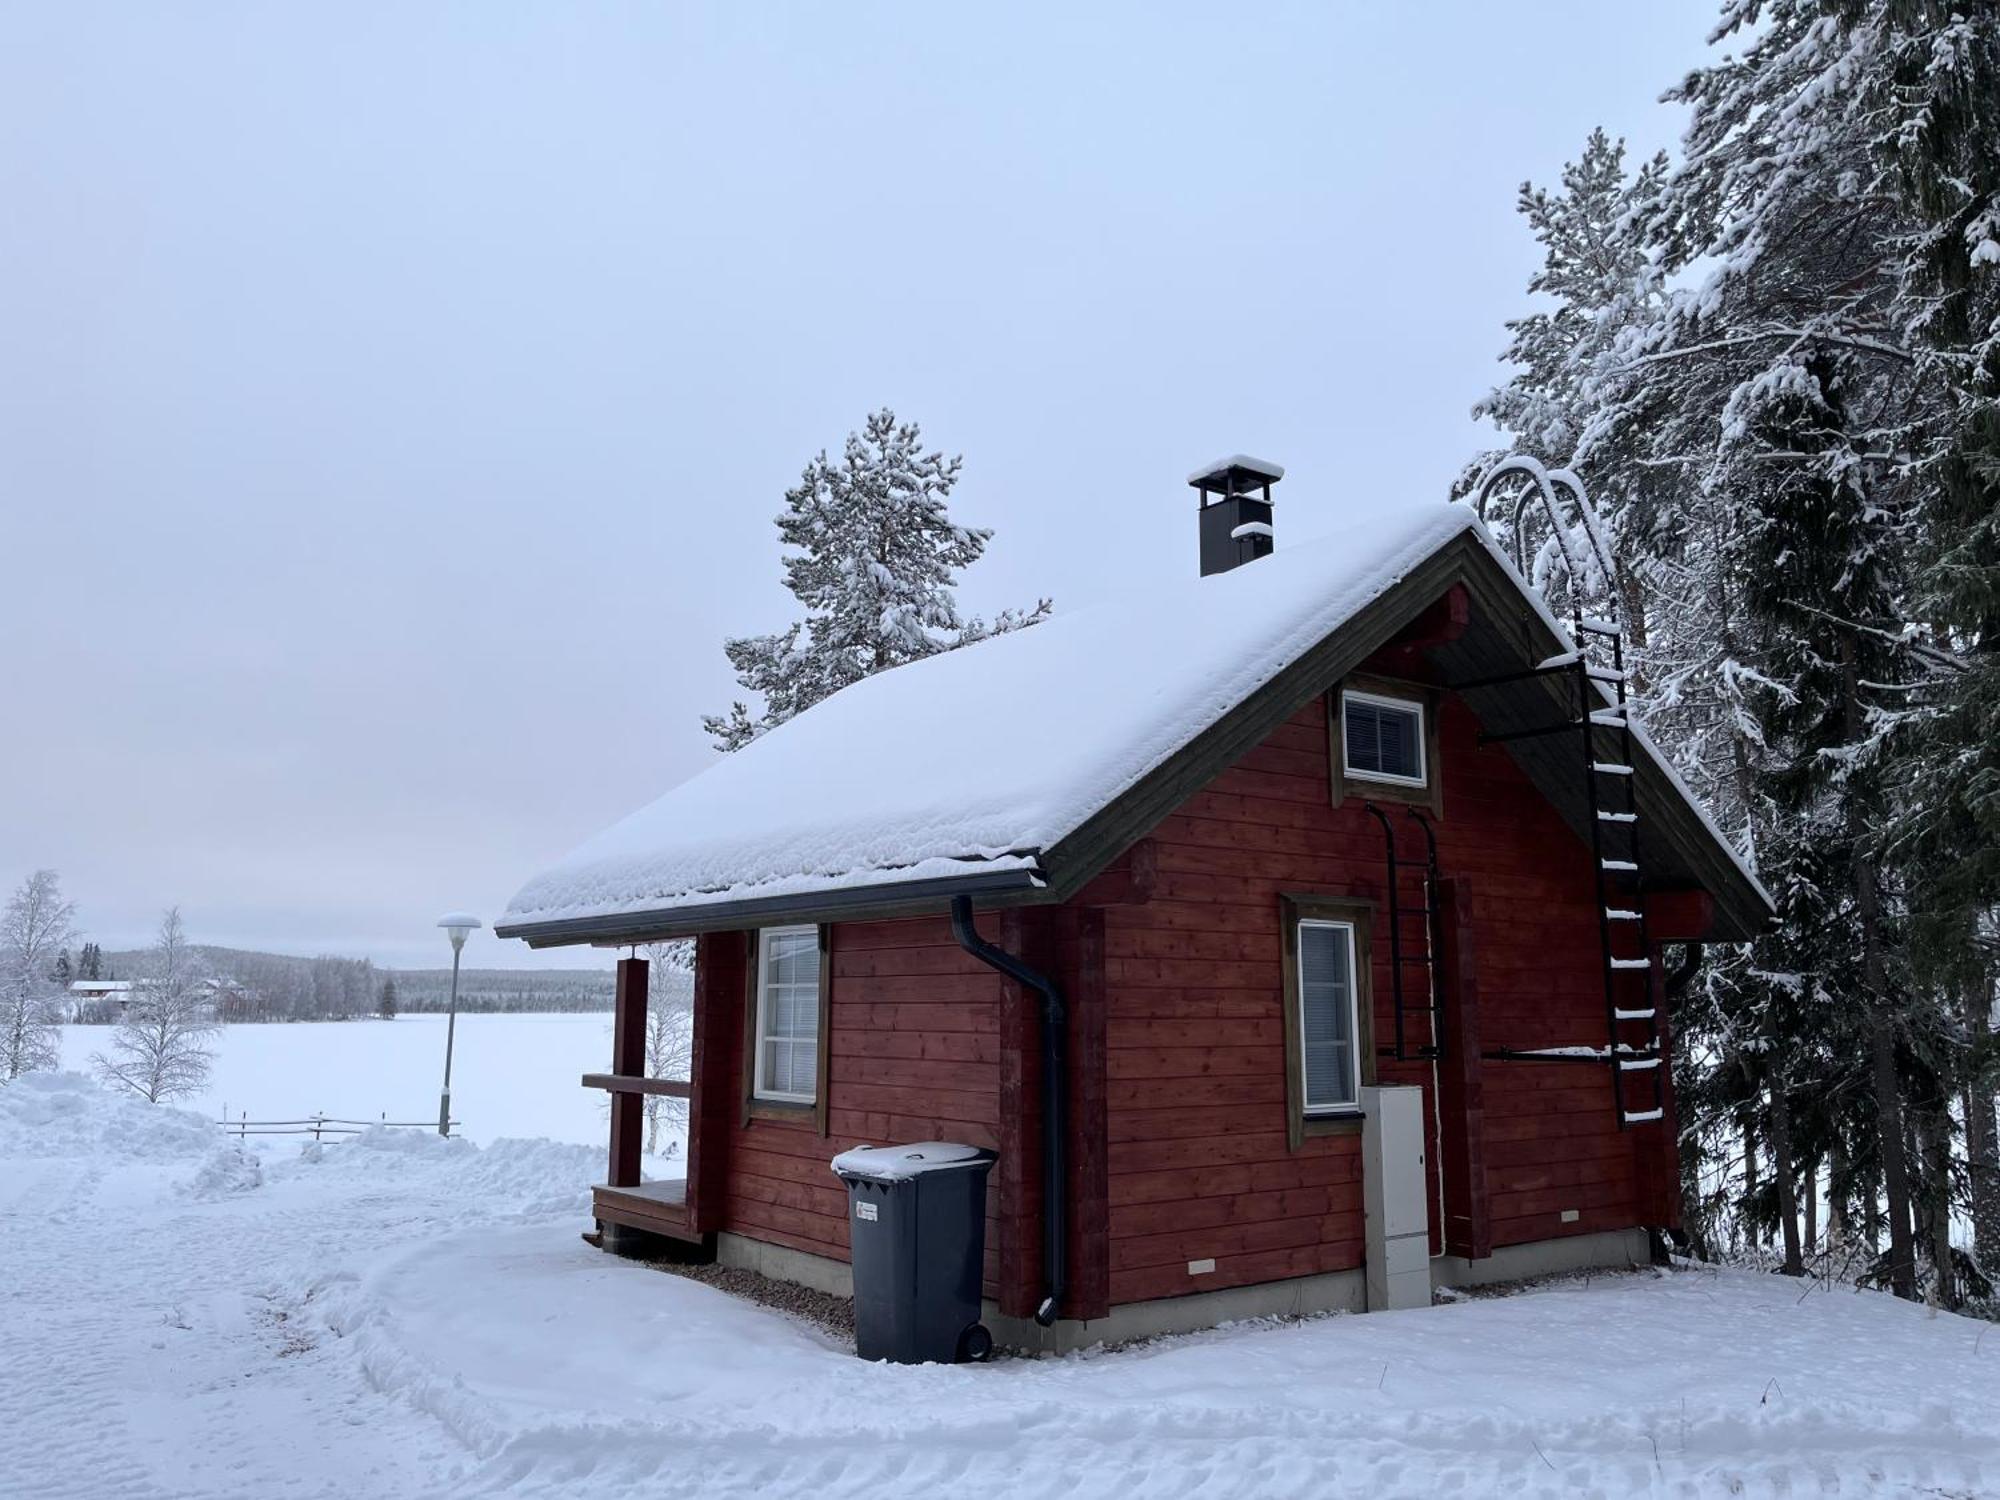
x: 1011, y: 842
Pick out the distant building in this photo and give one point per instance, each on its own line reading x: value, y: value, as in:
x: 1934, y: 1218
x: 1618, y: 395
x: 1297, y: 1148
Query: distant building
x: 97, y: 993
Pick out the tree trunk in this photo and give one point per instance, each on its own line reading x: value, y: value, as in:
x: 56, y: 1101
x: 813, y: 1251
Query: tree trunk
x: 1934, y: 1125
x: 1982, y: 1133
x: 1811, y: 1206
x: 1838, y: 1225
x: 1784, y: 1173
x: 1881, y: 1023
x: 1746, y: 1123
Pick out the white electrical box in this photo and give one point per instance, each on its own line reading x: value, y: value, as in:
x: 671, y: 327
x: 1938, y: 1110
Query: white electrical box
x: 1396, y: 1194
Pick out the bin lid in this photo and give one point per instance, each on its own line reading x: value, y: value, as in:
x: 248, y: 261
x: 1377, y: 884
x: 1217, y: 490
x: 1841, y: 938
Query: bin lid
x: 895, y: 1163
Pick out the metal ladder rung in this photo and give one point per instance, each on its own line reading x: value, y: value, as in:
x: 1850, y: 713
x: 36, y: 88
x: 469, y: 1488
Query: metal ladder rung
x: 1637, y: 1065
x: 1608, y: 718
x: 1607, y: 674
x: 1620, y: 864
x: 1609, y: 768
x: 1634, y: 1015
x: 1598, y: 627
x: 1642, y: 1116
x: 1631, y: 963
x: 1620, y: 914
x: 1604, y: 816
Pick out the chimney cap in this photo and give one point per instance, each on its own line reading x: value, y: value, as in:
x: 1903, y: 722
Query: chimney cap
x: 1238, y: 471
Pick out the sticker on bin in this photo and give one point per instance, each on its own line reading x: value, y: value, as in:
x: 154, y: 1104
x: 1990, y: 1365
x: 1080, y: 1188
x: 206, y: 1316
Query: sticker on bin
x: 898, y: 1163
x: 865, y: 1210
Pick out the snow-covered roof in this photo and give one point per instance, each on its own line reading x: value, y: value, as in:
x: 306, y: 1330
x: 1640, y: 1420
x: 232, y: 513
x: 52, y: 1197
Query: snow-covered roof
x: 976, y: 762
x: 980, y: 758
x: 100, y: 986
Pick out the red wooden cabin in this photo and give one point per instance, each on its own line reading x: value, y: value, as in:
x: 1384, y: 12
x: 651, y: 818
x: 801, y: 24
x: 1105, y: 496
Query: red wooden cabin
x: 1195, y: 833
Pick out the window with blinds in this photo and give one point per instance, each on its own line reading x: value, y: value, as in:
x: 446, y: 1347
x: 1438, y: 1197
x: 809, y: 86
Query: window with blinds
x: 1382, y: 738
x: 788, y: 1014
x: 1328, y: 1025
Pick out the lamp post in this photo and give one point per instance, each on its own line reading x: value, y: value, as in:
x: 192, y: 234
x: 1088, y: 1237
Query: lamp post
x: 456, y: 924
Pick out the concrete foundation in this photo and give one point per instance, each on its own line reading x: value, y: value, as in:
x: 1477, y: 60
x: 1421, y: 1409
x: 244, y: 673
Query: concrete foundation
x: 1609, y: 1248
x: 782, y: 1263
x: 1333, y: 1291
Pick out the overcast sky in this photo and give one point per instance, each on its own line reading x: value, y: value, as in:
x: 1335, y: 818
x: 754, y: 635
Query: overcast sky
x: 394, y: 400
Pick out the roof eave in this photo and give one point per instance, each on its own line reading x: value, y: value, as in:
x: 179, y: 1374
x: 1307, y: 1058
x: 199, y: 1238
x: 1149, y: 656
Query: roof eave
x: 879, y: 901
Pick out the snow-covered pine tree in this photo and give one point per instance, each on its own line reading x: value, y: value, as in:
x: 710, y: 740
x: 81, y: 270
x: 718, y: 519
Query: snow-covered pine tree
x: 34, y: 928
x: 161, y: 1049
x: 873, y: 557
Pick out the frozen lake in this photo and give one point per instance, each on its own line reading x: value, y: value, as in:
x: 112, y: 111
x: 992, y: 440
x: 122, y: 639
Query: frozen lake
x: 511, y: 1075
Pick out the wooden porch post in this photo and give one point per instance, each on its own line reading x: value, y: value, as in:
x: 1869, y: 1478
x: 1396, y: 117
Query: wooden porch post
x: 721, y: 963
x: 628, y: 1059
x: 1468, y: 1229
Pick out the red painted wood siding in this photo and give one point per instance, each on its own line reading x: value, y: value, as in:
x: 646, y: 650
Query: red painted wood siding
x: 913, y: 1054
x: 1199, y: 1165
x: 1196, y: 1160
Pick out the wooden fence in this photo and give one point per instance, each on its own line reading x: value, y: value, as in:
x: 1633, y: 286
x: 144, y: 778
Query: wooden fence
x: 319, y: 1127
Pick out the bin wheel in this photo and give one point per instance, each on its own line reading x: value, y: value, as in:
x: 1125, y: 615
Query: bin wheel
x: 975, y: 1345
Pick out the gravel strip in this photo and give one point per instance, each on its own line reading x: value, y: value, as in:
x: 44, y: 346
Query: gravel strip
x: 834, y: 1315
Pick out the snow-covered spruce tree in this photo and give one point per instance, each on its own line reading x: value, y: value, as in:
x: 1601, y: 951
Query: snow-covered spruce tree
x: 161, y: 1050
x: 35, y: 927
x: 873, y: 557
x: 1792, y: 396
x: 1940, y: 132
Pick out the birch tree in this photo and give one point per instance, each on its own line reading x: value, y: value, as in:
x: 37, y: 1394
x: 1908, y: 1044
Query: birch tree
x: 161, y: 1050
x: 35, y: 928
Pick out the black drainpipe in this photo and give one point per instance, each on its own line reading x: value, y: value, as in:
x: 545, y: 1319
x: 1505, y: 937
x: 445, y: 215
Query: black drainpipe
x: 1055, y: 1102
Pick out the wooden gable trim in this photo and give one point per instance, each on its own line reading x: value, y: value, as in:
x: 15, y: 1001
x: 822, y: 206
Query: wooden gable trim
x: 1101, y: 838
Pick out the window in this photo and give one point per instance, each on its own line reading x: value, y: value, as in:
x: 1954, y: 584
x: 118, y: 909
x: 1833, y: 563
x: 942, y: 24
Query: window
x: 1327, y: 1021
x: 788, y: 1015
x: 1329, y: 1034
x: 1382, y: 739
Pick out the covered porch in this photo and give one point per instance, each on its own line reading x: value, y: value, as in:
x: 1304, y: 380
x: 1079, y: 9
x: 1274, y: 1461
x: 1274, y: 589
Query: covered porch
x: 665, y: 1207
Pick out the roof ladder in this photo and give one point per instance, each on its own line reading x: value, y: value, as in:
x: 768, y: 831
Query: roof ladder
x: 1399, y: 959
x: 1631, y: 1013
x: 1595, y: 665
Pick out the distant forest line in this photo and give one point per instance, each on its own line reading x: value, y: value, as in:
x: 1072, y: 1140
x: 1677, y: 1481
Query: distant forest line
x: 253, y: 986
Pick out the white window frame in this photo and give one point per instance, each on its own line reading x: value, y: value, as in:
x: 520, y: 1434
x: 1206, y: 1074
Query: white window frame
x: 759, y: 1089
x: 1337, y: 1107
x: 1403, y: 705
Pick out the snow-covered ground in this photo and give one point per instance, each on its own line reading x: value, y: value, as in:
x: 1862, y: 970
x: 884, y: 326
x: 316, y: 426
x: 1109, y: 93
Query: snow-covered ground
x: 510, y: 1075
x: 405, y: 1316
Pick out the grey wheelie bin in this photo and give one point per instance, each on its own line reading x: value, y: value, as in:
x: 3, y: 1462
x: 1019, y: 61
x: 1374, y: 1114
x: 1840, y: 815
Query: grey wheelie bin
x: 916, y: 1216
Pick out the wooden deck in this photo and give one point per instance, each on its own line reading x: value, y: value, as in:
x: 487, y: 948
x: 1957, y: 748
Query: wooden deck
x: 656, y: 1207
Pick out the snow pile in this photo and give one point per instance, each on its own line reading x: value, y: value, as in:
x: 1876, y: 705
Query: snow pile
x: 68, y: 1115
x: 511, y: 1178
x: 230, y: 1170
x: 982, y: 758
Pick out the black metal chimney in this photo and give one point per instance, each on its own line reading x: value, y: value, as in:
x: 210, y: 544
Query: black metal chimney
x: 1235, y: 522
